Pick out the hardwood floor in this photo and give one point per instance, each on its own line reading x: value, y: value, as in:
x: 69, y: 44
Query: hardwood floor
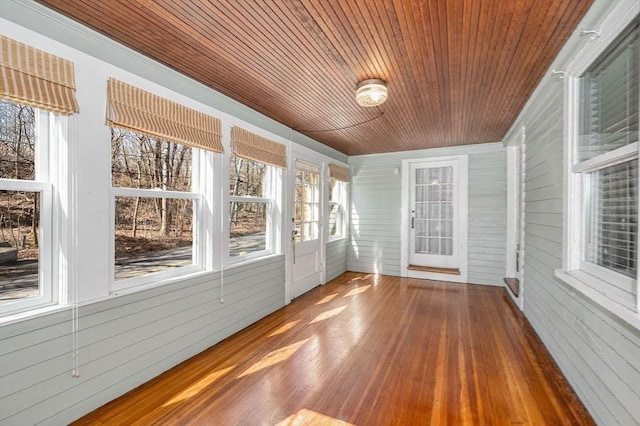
x: 366, y: 350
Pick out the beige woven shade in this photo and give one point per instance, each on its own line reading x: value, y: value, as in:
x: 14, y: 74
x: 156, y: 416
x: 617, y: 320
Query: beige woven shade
x: 253, y: 147
x: 32, y: 77
x: 131, y: 108
x: 338, y: 172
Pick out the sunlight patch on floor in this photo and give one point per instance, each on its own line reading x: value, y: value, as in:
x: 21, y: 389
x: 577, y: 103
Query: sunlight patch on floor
x: 358, y: 290
x: 198, y: 386
x: 328, y: 314
x: 286, y: 327
x: 327, y: 299
x: 274, y: 357
x: 310, y: 417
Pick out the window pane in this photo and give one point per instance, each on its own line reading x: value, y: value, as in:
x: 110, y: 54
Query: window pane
x: 611, y: 218
x: 446, y: 227
x: 152, y: 234
x: 421, y: 176
x: 307, y: 205
x: 447, y: 246
x: 246, y: 177
x: 434, y: 228
x: 434, y: 193
x: 434, y: 176
x: 434, y: 246
x: 335, y: 220
x: 17, y: 141
x: 138, y: 161
x: 609, y: 98
x: 434, y: 210
x: 248, y: 228
x: 447, y: 211
x: 19, y: 245
x: 434, y: 203
x: 337, y: 191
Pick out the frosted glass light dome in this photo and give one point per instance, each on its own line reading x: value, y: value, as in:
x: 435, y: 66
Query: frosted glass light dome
x: 371, y: 93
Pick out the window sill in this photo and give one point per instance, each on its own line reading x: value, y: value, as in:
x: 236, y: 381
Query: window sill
x: 336, y: 239
x: 242, y: 261
x: 31, y: 314
x: 155, y: 279
x: 588, y: 285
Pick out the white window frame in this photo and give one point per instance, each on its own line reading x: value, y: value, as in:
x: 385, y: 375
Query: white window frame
x: 271, y: 197
x: 200, y: 194
x: 47, y: 181
x: 601, y: 285
x: 341, y: 202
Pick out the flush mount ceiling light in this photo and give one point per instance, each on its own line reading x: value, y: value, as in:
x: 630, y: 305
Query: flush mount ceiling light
x: 371, y: 93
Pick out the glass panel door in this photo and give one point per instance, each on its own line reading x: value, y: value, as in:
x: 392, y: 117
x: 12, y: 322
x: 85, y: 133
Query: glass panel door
x: 433, y: 214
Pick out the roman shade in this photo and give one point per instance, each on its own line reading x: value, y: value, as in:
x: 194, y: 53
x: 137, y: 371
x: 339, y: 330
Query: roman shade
x: 338, y: 172
x: 132, y: 108
x: 256, y: 148
x: 36, y: 78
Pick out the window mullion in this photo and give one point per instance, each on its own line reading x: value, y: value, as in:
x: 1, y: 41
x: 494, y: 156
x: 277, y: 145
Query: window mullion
x: 153, y: 193
x: 608, y: 159
x: 241, y: 199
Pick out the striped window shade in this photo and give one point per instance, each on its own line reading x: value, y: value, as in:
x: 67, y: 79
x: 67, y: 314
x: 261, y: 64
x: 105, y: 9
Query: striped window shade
x: 39, y: 79
x: 338, y: 172
x: 131, y: 108
x: 256, y: 148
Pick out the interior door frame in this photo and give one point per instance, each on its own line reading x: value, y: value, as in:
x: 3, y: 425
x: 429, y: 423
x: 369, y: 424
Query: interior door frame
x: 515, y: 157
x: 463, y: 214
x: 308, y: 156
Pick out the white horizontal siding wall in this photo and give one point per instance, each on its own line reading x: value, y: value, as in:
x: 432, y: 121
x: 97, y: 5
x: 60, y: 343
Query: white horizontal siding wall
x: 336, y: 258
x: 376, y: 203
x: 598, y: 354
x: 487, y: 218
x: 125, y: 341
x: 374, y: 244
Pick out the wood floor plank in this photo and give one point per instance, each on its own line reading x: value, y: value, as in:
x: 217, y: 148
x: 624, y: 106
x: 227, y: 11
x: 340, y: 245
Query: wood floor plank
x: 366, y: 350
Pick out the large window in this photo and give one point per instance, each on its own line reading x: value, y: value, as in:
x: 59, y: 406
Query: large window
x: 155, y: 206
x: 26, y: 196
x: 160, y: 177
x: 337, y: 209
x: 34, y: 85
x: 253, y: 192
x: 603, y: 242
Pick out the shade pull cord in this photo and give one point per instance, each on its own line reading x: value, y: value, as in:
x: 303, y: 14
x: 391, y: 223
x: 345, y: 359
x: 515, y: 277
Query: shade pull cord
x: 222, y: 215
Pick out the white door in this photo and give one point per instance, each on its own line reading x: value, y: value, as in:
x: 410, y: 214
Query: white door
x: 434, y: 240
x: 306, y: 234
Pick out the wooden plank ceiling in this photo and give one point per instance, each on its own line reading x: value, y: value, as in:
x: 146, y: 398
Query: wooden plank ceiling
x: 459, y: 71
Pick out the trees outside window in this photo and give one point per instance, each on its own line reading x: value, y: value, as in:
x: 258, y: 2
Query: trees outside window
x: 252, y: 191
x: 155, y: 208
x: 25, y: 208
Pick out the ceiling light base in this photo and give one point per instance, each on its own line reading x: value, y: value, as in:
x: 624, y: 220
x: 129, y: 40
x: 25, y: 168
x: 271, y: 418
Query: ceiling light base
x: 371, y: 93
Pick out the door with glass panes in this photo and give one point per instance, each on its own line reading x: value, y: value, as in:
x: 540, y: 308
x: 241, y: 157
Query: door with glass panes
x: 306, y: 233
x: 433, y: 237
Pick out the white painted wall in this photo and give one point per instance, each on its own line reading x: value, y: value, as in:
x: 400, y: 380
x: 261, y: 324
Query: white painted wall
x: 336, y: 258
x: 598, y: 353
x: 376, y: 200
